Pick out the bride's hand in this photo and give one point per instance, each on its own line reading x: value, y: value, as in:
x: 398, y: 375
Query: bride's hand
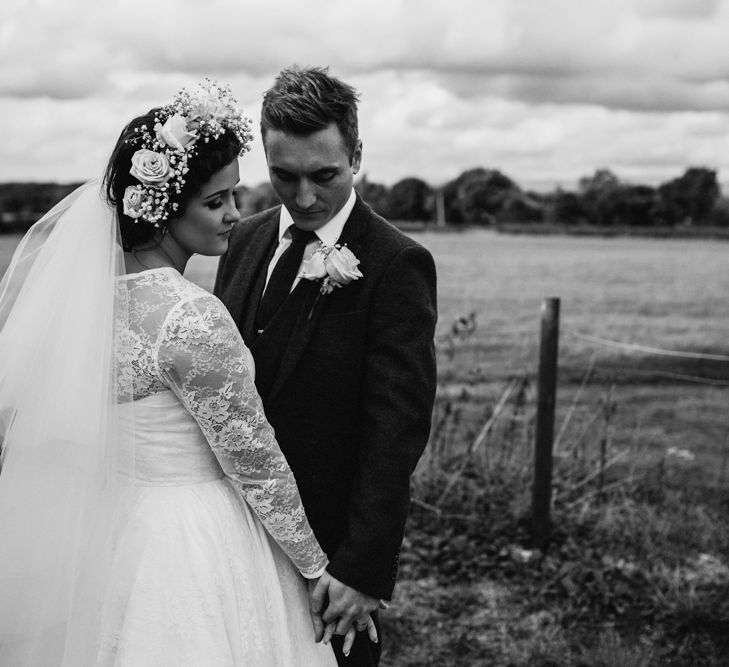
x: 315, y: 611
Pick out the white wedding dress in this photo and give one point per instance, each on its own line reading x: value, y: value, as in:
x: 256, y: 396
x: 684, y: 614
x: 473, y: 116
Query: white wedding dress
x: 196, y: 578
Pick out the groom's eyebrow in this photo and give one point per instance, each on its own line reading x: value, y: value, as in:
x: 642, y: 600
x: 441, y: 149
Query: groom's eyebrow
x: 320, y: 170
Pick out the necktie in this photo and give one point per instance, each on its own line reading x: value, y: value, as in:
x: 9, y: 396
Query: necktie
x: 284, y: 273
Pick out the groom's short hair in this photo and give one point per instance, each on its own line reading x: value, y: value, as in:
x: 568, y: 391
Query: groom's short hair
x: 305, y: 100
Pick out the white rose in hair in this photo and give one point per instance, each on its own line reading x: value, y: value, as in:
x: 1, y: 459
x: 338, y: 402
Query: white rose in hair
x: 150, y: 168
x: 207, y: 107
x: 134, y: 201
x: 174, y: 133
x: 341, y: 265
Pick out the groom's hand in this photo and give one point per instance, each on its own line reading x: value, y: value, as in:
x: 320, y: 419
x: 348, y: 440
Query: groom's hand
x: 345, y: 603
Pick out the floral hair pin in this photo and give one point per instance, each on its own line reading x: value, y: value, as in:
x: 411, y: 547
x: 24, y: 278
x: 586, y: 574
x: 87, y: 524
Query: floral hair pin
x: 161, y: 162
x: 334, y: 265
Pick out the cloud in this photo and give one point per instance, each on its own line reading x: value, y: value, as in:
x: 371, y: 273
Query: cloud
x: 678, y: 9
x: 615, y: 91
x: 675, y: 49
x: 436, y: 134
x: 544, y: 90
x: 410, y: 126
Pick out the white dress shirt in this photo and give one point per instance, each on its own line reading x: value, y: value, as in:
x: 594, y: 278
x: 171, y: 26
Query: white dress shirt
x: 328, y: 234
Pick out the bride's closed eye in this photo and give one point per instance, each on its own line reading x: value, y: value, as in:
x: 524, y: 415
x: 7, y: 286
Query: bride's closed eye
x: 217, y: 202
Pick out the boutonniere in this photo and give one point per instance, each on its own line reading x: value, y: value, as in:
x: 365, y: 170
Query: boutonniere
x: 334, y: 265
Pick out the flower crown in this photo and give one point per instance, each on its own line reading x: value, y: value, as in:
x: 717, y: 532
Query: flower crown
x: 161, y: 162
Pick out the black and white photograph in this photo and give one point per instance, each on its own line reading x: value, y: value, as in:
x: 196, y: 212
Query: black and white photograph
x: 374, y: 334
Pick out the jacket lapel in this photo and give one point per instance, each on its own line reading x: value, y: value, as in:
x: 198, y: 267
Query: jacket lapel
x: 253, y: 272
x: 313, y: 303
x: 356, y: 226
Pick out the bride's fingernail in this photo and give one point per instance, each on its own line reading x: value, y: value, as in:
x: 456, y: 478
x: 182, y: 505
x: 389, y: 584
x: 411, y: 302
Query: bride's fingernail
x: 346, y: 654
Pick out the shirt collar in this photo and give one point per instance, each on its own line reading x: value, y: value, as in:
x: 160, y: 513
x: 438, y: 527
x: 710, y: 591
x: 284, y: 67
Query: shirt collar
x: 328, y: 233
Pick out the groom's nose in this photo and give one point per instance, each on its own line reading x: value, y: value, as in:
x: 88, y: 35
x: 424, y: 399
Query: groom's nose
x: 305, y: 195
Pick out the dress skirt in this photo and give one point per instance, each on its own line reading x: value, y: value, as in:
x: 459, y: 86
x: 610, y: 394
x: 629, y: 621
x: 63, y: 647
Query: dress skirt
x: 196, y: 579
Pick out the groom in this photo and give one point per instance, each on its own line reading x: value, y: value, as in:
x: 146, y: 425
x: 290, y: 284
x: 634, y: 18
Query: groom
x: 346, y: 371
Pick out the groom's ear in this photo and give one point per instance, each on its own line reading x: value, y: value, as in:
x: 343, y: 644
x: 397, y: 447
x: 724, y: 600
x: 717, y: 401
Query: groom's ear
x: 357, y: 157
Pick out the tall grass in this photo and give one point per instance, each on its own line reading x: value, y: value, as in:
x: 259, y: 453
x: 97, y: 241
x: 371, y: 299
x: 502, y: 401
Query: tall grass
x: 636, y: 572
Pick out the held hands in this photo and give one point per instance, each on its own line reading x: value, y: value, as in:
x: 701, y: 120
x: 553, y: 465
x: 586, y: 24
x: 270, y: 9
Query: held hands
x: 347, y: 611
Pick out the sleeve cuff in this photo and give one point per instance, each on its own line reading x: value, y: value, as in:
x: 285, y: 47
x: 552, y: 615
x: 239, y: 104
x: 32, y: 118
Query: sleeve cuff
x: 315, y: 575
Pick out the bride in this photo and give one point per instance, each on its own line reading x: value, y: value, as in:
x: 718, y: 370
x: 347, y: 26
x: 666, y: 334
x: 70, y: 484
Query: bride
x: 140, y: 482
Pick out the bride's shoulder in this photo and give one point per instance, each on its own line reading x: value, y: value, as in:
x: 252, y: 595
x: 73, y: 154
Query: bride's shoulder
x: 191, y: 299
x: 162, y: 293
x: 163, y: 284
x: 186, y: 289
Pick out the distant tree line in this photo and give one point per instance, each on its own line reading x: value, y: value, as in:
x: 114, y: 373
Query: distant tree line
x: 21, y: 204
x: 488, y: 197
x: 476, y: 197
x: 691, y: 199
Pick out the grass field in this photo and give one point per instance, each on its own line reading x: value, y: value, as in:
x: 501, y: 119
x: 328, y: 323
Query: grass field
x: 641, y: 488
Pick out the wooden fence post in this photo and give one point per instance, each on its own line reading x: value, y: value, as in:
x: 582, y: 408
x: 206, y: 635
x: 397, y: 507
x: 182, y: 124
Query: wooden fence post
x: 546, y: 400
x: 440, y: 220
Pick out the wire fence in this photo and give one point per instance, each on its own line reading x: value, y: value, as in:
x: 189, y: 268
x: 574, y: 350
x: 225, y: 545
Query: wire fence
x: 619, y: 405
x: 645, y: 349
x: 450, y: 342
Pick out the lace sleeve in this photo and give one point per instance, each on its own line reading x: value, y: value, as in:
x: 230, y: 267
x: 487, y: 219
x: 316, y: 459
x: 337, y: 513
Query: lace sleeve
x: 202, y: 358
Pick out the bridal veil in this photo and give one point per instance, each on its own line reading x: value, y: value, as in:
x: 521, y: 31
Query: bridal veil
x: 63, y: 491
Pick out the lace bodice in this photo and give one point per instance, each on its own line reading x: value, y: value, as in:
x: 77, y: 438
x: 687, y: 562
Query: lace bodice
x: 181, y: 338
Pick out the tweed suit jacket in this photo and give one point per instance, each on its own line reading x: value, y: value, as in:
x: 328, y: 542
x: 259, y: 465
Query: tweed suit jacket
x: 348, y: 382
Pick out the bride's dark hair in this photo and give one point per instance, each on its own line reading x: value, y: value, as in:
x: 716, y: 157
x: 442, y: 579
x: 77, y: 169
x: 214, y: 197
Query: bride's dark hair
x: 210, y: 157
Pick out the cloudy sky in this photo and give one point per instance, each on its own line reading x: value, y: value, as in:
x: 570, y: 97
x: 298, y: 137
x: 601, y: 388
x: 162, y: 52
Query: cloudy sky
x: 545, y: 90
